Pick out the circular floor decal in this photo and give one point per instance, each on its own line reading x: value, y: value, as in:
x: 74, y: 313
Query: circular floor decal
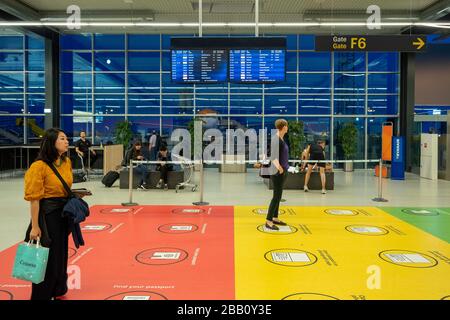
x: 137, y: 295
x: 421, y: 212
x: 93, y: 227
x: 341, y: 212
x: 282, y: 230
x: 367, y: 230
x: 6, y: 295
x: 309, y: 296
x: 161, y: 256
x: 72, y: 252
x: 290, y: 257
x: 117, y: 210
x: 264, y: 211
x: 409, y: 259
x: 178, y: 228
x: 188, y: 211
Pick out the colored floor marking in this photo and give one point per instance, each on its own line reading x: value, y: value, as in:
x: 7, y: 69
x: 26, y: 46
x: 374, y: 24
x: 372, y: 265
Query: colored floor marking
x: 433, y: 220
x: 338, y: 253
x: 157, y: 252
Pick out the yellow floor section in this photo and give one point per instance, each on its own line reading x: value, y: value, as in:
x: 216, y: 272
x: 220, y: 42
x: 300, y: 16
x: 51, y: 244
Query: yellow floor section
x: 337, y: 253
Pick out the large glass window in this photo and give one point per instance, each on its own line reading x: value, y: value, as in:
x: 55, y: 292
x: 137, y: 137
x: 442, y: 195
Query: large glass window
x: 36, y: 103
x: 314, y: 61
x: 246, y: 104
x: 349, y: 61
x: 36, y: 82
x: 109, y: 61
x: 76, y: 61
x: 359, y: 124
x: 110, y: 82
x: 11, y: 103
x: 143, y: 83
x: 178, y: 104
x: 349, y: 83
x: 291, y: 61
x: 11, y: 43
x: 169, y: 124
x: 314, y: 83
x: 143, y: 61
x: 8, y: 123
x: 144, y: 42
x: 76, y: 42
x: 109, y: 42
x: 278, y: 104
x: 383, y: 61
x: 315, y: 128
x: 22, y: 88
x: 76, y: 103
x: 11, y: 61
x: 105, y: 128
x: 73, y: 125
x: 173, y: 87
x: 321, y: 88
x: 383, y: 83
x: 143, y: 104
x: 211, y: 104
x: 109, y: 104
x: 349, y: 104
x: 76, y: 82
x: 11, y: 82
x: 382, y: 104
x: 36, y: 60
x: 314, y: 104
x: 288, y: 86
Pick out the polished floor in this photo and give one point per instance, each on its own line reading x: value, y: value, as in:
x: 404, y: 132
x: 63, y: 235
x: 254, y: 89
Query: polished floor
x: 234, y: 189
x: 341, y: 245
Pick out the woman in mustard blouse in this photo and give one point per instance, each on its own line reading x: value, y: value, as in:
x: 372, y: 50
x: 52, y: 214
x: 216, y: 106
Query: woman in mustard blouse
x: 47, y: 198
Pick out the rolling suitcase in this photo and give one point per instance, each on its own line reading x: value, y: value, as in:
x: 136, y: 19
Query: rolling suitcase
x: 109, y: 178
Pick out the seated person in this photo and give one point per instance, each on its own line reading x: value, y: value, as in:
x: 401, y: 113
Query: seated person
x: 83, y: 148
x: 163, y: 168
x: 135, y: 153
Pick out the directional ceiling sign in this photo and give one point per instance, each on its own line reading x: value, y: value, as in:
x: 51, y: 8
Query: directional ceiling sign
x: 371, y: 43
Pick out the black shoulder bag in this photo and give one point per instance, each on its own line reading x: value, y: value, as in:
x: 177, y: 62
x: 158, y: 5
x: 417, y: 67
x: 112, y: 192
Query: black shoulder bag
x: 74, y: 200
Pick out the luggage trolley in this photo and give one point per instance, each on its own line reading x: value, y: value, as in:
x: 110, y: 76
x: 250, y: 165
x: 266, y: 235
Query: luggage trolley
x: 81, y: 176
x: 188, y: 168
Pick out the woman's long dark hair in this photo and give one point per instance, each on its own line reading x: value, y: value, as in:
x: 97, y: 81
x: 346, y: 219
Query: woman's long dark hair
x: 136, y: 152
x: 47, y: 151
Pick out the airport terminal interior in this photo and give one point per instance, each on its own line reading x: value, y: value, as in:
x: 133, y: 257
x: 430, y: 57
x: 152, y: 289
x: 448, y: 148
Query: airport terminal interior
x: 369, y: 79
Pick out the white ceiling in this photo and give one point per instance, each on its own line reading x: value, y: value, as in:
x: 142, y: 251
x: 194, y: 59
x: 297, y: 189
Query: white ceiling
x: 267, y: 6
x: 233, y: 11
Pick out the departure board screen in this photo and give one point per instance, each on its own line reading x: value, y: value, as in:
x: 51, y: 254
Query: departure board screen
x: 253, y: 66
x: 199, y: 66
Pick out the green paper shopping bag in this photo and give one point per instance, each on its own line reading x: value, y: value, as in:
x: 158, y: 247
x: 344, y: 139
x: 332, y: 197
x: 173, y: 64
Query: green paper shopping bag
x: 30, y: 263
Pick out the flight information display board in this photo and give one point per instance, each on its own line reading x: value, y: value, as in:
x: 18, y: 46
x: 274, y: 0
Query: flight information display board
x: 199, y: 66
x: 257, y: 66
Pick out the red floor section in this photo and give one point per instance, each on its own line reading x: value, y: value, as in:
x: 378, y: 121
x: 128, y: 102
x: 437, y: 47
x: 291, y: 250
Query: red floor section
x: 148, y: 252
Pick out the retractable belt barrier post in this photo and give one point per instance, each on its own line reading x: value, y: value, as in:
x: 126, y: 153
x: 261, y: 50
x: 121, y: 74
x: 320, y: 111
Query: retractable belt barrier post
x: 201, y: 163
x: 130, y: 202
x: 380, y: 184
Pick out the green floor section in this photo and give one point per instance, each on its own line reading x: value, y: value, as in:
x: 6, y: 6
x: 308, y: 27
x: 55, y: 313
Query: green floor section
x: 432, y: 220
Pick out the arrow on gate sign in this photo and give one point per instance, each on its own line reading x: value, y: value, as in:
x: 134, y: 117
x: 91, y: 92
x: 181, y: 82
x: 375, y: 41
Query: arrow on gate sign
x: 419, y: 43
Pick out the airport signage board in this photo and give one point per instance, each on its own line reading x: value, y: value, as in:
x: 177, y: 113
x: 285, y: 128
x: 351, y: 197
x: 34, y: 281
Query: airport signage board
x: 403, y: 43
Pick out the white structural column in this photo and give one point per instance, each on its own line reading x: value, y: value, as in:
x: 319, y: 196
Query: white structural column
x: 256, y: 18
x: 200, y: 18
